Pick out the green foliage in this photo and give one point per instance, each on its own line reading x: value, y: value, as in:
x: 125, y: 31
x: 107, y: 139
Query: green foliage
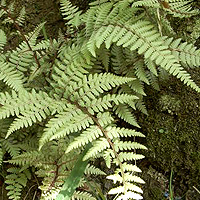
x: 16, y: 179
x: 60, y: 96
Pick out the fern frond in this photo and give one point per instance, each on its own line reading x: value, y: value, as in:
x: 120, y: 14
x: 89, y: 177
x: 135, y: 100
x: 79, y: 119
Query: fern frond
x: 21, y: 58
x: 82, y: 196
x: 181, y: 8
x: 129, y: 177
x: 98, y: 2
x: 5, y: 9
x: 91, y: 169
x: 151, y: 66
x: 123, y: 156
x: 15, y: 180
x: 115, y: 132
x: 118, y: 59
x: 131, y: 168
x: 129, y: 186
x: 129, y: 195
x: 146, y: 40
x: 103, y: 11
x: 98, y: 105
x: 187, y: 53
x: 32, y: 36
x: 21, y: 18
x: 10, y: 102
x: 28, y: 119
x: 44, y: 45
x: 93, y: 76
x: 11, y: 147
x: 70, y: 13
x: 120, y: 145
x: 94, y: 85
x: 153, y: 81
x: 123, y: 112
x: 108, y: 157
x: 90, y: 134
x: 11, y: 77
x: 141, y: 73
x: 3, y: 3
x: 148, y: 3
x: 3, y: 39
x: 137, y: 86
x: 28, y: 158
x: 75, y: 124
x: 78, y: 66
x: 104, y: 57
x: 24, y: 57
x: 140, y: 105
x: 24, y: 105
x: 98, y: 146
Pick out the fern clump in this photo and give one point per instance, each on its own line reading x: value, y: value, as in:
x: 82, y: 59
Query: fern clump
x: 66, y: 98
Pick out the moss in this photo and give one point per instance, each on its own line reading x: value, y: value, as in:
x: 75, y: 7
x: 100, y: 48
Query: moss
x: 172, y: 130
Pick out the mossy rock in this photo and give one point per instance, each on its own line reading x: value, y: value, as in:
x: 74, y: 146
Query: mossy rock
x: 172, y: 134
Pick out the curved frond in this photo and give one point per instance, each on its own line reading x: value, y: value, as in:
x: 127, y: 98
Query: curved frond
x: 82, y: 196
x: 115, y: 132
x: 90, y: 134
x: 70, y: 13
x: 11, y: 77
x: 142, y: 37
x: 123, y: 112
x: 120, y: 145
x: 3, y: 39
x: 21, y: 18
x: 11, y: 147
x: 91, y: 169
x: 187, y: 53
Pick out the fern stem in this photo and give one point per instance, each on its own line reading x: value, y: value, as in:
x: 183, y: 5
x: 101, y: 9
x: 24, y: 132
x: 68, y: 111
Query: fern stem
x: 170, y: 186
x: 196, y: 189
x: 159, y: 22
x: 44, y: 32
x: 53, y: 59
x: 105, y: 134
x: 55, y: 176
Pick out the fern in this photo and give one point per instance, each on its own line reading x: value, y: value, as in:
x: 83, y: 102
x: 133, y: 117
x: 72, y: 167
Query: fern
x: 187, y: 53
x: 90, y: 169
x: 66, y: 99
x: 11, y: 147
x: 82, y: 196
x: 21, y: 18
x: 70, y: 13
x: 3, y: 39
x: 178, y: 8
x: 16, y: 180
x: 11, y: 77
